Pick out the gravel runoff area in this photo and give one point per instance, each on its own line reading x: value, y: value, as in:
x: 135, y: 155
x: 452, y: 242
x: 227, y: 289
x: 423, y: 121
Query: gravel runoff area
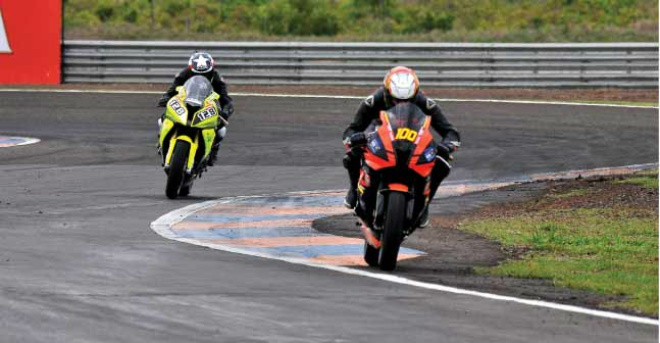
x: 596, y: 94
x: 453, y: 255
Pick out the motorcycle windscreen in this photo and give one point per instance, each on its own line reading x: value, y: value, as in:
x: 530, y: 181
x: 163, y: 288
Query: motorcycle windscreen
x: 406, y: 120
x: 198, y: 88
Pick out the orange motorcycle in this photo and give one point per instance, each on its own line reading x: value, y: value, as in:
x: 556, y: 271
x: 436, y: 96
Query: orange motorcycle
x: 394, y: 186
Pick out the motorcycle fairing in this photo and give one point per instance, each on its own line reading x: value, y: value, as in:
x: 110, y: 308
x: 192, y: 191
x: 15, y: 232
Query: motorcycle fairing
x: 391, y: 140
x: 398, y: 187
x: 177, y: 115
x: 193, y: 147
x: 423, y: 157
x: 165, y: 130
x: 382, y: 158
x: 209, y: 137
x: 399, y: 157
x: 208, y: 116
x: 205, y: 118
x: 176, y: 110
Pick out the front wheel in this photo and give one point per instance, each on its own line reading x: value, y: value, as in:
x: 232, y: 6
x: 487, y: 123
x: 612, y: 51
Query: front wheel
x: 395, y: 218
x: 177, y: 168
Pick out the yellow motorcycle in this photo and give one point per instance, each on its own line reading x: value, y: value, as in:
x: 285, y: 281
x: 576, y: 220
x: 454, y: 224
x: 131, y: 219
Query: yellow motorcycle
x: 187, y: 134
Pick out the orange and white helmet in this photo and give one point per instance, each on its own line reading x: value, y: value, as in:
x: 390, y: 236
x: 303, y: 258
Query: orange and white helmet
x: 401, y: 83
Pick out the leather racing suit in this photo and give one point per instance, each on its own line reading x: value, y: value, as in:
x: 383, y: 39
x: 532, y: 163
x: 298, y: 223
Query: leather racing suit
x: 218, y: 83
x: 219, y: 86
x: 369, y: 110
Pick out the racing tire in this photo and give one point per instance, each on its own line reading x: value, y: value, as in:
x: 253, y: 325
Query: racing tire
x: 177, y: 168
x: 392, y: 231
x: 186, y: 186
x: 371, y: 255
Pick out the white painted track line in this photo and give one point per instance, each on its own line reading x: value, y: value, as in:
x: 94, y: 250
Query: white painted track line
x: 99, y: 91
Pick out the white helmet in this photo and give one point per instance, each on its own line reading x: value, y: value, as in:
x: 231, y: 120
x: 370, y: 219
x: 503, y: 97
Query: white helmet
x: 401, y: 83
x: 201, y: 62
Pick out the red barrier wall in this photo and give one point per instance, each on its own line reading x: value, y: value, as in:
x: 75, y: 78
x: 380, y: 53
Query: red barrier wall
x: 33, y: 31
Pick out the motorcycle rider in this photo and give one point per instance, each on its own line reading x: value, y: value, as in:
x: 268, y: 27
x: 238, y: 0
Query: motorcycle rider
x: 202, y: 63
x: 400, y: 85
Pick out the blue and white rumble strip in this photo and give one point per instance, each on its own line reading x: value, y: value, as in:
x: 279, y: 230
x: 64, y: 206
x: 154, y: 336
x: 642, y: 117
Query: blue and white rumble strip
x: 6, y: 141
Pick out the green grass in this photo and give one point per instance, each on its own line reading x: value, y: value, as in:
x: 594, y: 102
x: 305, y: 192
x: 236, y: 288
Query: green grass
x: 359, y: 20
x: 570, y: 194
x: 612, y: 251
x: 648, y: 172
x: 650, y: 182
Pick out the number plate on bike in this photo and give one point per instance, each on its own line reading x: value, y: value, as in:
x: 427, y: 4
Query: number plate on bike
x: 406, y: 134
x: 206, y: 114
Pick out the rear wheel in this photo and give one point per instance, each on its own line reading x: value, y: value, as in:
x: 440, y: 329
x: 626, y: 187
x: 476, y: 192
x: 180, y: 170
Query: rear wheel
x: 177, y: 168
x: 392, y: 230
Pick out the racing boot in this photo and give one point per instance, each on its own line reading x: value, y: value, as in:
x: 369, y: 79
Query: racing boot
x: 438, y: 174
x: 424, y: 219
x: 352, y: 165
x: 213, y: 155
x: 160, y: 127
x: 351, y: 198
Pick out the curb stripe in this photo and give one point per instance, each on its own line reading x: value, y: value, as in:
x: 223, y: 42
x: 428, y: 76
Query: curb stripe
x: 6, y: 142
x: 219, y: 218
x: 249, y: 211
x: 289, y: 241
x: 245, y: 233
x: 241, y: 225
x: 163, y: 226
x: 343, y: 261
x: 274, y: 226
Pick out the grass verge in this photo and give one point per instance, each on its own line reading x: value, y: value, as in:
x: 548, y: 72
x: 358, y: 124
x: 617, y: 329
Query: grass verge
x: 650, y: 182
x: 586, y: 235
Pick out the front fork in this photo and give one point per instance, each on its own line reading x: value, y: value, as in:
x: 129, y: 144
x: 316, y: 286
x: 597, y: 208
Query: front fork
x: 373, y: 200
x: 194, y: 144
x: 169, y: 135
x: 381, y: 204
x: 175, y: 137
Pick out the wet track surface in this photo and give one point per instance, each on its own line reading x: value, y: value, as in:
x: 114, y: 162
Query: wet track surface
x: 78, y: 260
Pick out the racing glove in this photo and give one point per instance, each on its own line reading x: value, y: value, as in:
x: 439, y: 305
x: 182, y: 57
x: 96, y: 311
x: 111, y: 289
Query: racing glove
x: 228, y: 109
x: 356, y: 139
x: 225, y: 113
x: 163, y: 100
x: 446, y: 148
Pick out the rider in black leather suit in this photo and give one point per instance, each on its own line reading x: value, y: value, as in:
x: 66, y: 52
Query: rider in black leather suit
x: 400, y: 84
x: 201, y: 63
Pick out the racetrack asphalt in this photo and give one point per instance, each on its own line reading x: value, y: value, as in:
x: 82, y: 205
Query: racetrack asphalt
x: 78, y: 261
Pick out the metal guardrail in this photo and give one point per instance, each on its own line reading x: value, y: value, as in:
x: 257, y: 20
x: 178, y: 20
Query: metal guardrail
x: 440, y: 65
